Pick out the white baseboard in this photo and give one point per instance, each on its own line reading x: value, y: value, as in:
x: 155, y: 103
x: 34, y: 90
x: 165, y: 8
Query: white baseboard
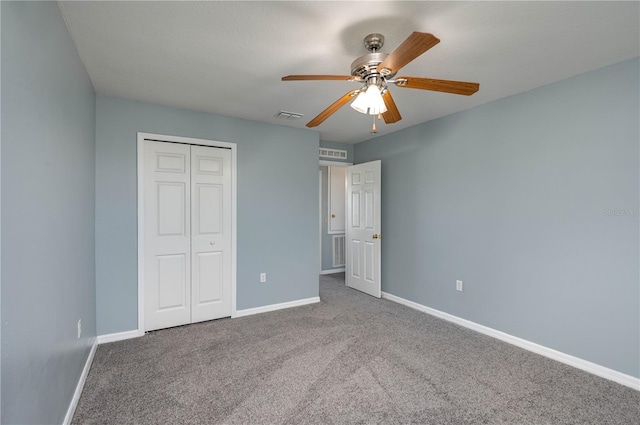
x: 118, y: 336
x: 587, y: 366
x: 332, y: 271
x: 83, y: 377
x: 274, y: 307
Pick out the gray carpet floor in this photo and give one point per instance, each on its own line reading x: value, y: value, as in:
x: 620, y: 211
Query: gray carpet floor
x: 351, y: 359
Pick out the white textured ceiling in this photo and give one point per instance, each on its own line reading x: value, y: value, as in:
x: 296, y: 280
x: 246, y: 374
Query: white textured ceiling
x: 227, y: 58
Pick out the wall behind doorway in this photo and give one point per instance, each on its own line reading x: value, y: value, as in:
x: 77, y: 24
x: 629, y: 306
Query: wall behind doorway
x: 327, y: 239
x: 277, y: 205
x: 48, y: 194
x: 532, y: 201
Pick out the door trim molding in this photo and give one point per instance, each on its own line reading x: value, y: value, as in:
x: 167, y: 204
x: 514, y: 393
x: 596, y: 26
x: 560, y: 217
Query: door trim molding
x: 320, y: 218
x: 141, y: 137
x: 324, y: 163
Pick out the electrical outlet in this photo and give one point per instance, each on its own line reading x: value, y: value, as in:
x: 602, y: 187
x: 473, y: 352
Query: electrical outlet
x: 263, y: 277
x: 79, y: 328
x: 459, y: 285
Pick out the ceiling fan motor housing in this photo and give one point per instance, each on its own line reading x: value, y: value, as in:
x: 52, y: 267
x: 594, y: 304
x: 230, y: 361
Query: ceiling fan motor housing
x: 367, y: 65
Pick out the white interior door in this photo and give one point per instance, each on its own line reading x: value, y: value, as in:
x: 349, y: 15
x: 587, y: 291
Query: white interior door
x: 167, y: 240
x: 210, y: 233
x: 364, y: 228
x: 187, y: 234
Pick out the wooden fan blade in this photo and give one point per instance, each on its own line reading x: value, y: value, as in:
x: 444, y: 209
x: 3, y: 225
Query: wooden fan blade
x: 415, y: 45
x: 319, y: 77
x: 392, y: 115
x: 445, y: 86
x: 332, y: 109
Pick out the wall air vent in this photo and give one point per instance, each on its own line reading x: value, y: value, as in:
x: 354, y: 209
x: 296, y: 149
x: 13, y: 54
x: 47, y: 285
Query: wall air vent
x: 337, y: 253
x: 333, y: 153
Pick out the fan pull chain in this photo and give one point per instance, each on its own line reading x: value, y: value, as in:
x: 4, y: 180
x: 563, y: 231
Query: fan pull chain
x: 373, y: 129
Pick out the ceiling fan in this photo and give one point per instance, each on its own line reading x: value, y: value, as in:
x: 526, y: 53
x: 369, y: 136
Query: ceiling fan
x: 377, y: 70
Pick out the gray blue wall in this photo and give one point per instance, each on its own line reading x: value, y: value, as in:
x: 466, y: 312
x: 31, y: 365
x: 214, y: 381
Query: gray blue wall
x: 48, y: 163
x: 532, y: 201
x: 277, y: 205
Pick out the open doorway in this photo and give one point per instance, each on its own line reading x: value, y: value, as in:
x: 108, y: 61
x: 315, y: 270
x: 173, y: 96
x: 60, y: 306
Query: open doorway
x: 332, y: 213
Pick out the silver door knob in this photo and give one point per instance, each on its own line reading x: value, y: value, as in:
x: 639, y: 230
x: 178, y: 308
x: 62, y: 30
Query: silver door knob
x: 212, y: 243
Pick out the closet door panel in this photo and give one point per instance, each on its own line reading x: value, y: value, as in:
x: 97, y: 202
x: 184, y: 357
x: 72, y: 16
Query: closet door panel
x: 167, y: 235
x: 211, y: 233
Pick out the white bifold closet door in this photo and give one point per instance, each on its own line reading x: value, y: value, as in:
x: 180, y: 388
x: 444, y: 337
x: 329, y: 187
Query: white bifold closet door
x: 187, y: 228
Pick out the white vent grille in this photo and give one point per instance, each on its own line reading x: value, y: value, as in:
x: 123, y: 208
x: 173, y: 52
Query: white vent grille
x: 333, y: 153
x: 289, y: 115
x: 338, y: 251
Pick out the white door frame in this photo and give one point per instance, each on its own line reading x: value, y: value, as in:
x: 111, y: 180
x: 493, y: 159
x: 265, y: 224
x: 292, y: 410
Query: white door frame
x: 324, y: 163
x: 320, y: 215
x: 140, y: 166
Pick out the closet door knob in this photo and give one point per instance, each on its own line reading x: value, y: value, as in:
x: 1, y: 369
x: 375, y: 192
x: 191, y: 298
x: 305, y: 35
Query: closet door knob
x: 212, y: 243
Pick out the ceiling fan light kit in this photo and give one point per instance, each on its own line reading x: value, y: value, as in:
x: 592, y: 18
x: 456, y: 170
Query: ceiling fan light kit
x: 369, y: 101
x: 376, y: 70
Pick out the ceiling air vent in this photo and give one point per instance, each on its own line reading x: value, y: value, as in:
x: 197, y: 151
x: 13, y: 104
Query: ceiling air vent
x: 289, y: 115
x: 333, y: 153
